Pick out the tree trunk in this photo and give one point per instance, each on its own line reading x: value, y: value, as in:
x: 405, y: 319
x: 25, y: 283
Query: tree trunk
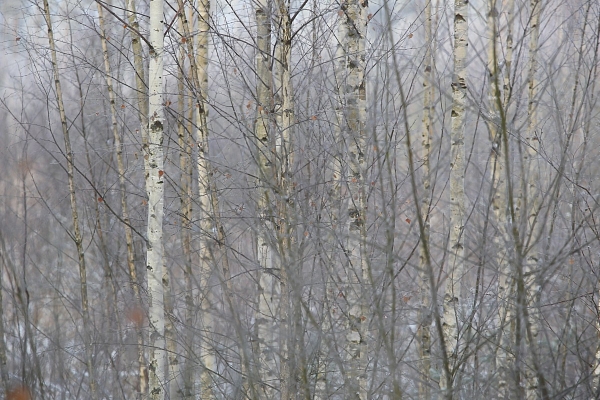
x: 289, y: 308
x: 352, y: 120
x: 532, y: 198
x: 496, y: 123
x: 142, y: 112
x: 122, y: 181
x: 176, y: 389
x: 425, y: 318
x: 268, y: 290
x: 456, y: 252
x: 155, y: 191
x: 76, y: 235
x: 208, y: 228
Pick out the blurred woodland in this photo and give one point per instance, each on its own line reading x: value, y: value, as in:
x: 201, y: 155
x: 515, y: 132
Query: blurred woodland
x: 299, y: 199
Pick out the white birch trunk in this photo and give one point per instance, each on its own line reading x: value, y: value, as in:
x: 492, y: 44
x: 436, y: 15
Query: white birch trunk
x: 212, y: 274
x: 456, y: 252
x: 177, y: 388
x: 268, y: 290
x: 208, y: 226
x: 532, y: 167
x: 155, y: 192
x: 142, y: 111
x: 504, y: 358
x: 77, y: 237
x: 284, y: 113
x: 352, y: 32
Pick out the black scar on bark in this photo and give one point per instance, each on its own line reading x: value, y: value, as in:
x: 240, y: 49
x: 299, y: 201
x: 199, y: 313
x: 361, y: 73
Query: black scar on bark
x: 156, y: 126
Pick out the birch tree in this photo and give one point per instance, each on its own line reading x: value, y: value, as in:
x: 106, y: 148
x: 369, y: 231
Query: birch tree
x: 456, y: 253
x: 268, y: 286
x: 76, y: 236
x: 352, y: 117
x: 155, y: 192
x: 122, y: 184
x: 497, y: 131
x: 338, y: 230
x: 530, y: 292
x: 289, y: 310
x: 141, y: 91
x: 209, y: 227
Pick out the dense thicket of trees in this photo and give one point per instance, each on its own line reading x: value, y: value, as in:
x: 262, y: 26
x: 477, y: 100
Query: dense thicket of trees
x: 279, y: 199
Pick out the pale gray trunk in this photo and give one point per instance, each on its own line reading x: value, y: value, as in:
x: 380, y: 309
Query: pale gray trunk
x: 122, y: 185
x: 269, y: 288
x: 352, y: 32
x: 425, y: 318
x: 155, y: 191
x: 456, y: 253
x: 208, y: 227
x: 177, y: 388
x: 290, y: 351
x: 171, y: 339
x: 190, y: 385
x: 77, y: 237
x: 142, y: 112
x: 496, y: 123
x: 531, y: 166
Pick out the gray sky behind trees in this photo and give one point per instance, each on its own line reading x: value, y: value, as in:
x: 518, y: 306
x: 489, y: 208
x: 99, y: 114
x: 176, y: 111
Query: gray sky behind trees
x: 304, y: 254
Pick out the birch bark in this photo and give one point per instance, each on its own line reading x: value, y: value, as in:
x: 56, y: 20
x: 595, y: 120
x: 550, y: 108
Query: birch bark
x: 496, y: 123
x: 214, y: 230
x: 532, y: 167
x: 122, y: 184
x: 142, y: 112
x: 185, y: 200
x: 456, y: 254
x: 208, y: 226
x: 155, y: 192
x: 289, y: 308
x: 352, y: 34
x: 77, y: 237
x: 268, y: 290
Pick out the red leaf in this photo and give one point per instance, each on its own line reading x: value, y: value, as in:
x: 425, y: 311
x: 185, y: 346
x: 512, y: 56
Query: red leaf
x: 160, y: 173
x: 407, y: 220
x: 100, y: 199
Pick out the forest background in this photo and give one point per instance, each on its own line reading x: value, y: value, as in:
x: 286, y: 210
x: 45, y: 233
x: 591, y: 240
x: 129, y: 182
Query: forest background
x: 281, y: 199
